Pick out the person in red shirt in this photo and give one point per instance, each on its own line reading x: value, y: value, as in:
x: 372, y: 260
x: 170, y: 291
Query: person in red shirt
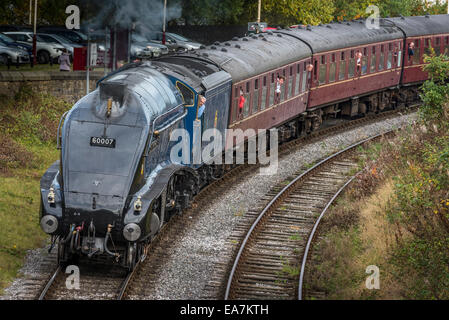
x: 242, y: 101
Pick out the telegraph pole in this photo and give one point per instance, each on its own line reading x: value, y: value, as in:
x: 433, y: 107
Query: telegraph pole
x: 259, y: 10
x: 31, y: 12
x: 165, y: 17
x: 35, y: 36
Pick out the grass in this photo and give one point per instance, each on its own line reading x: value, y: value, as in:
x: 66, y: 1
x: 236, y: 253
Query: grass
x: 27, y: 67
x: 28, y: 125
x: 296, y: 237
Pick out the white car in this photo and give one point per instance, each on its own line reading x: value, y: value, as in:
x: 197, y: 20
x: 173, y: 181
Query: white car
x: 45, y: 51
x: 53, y: 38
x: 14, y: 55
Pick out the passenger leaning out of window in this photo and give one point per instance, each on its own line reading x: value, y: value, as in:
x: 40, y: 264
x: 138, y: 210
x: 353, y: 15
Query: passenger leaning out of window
x: 411, y: 51
x: 64, y: 61
x: 279, y: 83
x: 242, y: 101
x: 359, y: 56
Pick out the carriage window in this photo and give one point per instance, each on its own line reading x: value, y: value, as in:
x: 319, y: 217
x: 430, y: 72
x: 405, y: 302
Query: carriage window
x: 342, y: 68
x: 342, y: 71
x: 381, y: 61
x: 272, y: 90
x: 291, y: 88
x: 263, y: 103
x: 364, y: 64
x: 256, y: 96
x: 297, y: 88
x: 399, y: 58
x: 438, y: 46
x: 187, y: 94
x: 332, y: 71
x: 389, y: 60
x: 236, y: 110
x: 446, y: 46
x: 373, y: 60
x: 305, y: 78
x: 247, y: 96
x: 284, y: 88
x: 417, y: 56
x: 351, y: 67
x: 323, y: 66
x: 427, y: 46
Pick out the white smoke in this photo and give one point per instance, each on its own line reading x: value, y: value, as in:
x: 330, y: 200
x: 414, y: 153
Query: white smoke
x: 147, y: 14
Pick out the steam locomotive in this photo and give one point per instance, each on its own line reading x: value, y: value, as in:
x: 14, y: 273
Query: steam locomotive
x: 116, y: 183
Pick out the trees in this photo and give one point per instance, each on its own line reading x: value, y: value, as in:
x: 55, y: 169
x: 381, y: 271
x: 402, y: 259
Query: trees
x: 288, y: 12
x: 212, y: 12
x: 226, y: 12
x: 49, y: 11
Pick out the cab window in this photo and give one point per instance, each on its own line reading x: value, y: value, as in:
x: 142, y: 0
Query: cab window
x: 187, y: 94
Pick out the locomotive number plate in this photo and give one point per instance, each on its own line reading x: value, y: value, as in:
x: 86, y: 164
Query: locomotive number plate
x: 102, y: 142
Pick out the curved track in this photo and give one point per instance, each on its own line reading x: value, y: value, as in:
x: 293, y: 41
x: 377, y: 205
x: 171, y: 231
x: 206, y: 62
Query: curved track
x: 266, y: 266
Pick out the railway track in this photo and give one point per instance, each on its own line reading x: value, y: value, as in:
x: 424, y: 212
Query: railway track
x: 97, y: 281
x: 267, y: 263
x: 108, y: 283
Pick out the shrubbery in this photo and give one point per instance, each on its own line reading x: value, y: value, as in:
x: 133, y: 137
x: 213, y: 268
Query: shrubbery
x: 411, y: 174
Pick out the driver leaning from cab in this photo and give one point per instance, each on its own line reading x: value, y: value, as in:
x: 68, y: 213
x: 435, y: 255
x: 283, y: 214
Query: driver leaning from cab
x: 201, y: 105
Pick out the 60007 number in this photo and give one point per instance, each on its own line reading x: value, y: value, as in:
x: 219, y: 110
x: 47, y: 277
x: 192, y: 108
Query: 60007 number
x: 102, y: 142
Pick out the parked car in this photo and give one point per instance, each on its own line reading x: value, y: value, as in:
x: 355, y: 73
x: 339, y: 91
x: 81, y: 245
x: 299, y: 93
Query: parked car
x: 44, y: 50
x: 53, y: 38
x: 13, y: 54
x: 7, y: 41
x: 72, y: 35
x: 142, y: 41
x: 175, y: 42
x: 144, y: 52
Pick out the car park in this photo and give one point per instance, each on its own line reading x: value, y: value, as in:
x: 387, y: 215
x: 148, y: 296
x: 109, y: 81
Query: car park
x: 46, y: 52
